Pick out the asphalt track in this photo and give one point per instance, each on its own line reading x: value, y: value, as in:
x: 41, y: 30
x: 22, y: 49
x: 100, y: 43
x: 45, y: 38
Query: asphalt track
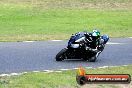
x: 40, y: 55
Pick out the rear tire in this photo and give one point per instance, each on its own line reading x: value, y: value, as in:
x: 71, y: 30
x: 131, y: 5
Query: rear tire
x: 61, y: 55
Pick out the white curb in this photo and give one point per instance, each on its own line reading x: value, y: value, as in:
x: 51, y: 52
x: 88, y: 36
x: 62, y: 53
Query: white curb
x: 36, y: 71
x: 15, y: 74
x: 129, y: 37
x: 58, y: 71
x: 104, y: 67
x: 88, y: 67
x: 28, y: 41
x: 50, y: 71
x: 75, y: 68
x: 64, y: 69
x: 4, y: 75
x: 25, y: 72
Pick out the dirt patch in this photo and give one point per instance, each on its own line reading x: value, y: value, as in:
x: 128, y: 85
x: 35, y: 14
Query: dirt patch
x: 69, y: 4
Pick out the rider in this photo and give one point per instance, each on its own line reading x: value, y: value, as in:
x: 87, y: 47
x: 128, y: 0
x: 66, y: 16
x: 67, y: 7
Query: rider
x: 95, y: 42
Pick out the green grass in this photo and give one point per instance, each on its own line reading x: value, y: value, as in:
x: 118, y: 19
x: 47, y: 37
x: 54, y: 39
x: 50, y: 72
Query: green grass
x: 65, y: 79
x: 58, y: 19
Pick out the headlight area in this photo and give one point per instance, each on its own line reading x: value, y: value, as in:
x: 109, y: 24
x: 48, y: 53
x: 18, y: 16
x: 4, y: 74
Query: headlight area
x: 74, y: 45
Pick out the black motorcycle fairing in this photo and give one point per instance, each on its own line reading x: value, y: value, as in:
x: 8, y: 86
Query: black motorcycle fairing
x: 75, y: 37
x: 77, y: 48
x: 79, y: 53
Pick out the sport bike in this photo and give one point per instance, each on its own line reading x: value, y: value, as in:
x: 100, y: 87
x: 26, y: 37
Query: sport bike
x: 76, y: 48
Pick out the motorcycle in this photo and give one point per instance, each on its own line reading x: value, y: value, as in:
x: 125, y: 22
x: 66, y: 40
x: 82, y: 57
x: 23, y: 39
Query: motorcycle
x: 76, y: 48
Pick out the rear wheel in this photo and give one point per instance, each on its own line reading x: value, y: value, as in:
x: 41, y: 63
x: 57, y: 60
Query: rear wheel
x: 61, y: 55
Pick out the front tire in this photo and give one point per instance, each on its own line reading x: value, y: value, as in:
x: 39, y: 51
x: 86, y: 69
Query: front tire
x: 93, y: 59
x: 61, y: 55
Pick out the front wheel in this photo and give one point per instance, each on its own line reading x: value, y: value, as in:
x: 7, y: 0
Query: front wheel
x: 61, y: 55
x: 93, y: 59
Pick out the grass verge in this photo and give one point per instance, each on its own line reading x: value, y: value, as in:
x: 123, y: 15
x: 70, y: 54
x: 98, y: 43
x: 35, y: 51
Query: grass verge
x: 65, y: 79
x: 57, y: 19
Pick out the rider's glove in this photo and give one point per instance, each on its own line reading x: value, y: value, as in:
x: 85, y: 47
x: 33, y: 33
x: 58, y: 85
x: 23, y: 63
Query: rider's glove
x: 95, y: 50
x: 88, y: 48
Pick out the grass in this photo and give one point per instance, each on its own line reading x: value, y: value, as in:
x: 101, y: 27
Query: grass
x: 57, y: 19
x: 65, y: 79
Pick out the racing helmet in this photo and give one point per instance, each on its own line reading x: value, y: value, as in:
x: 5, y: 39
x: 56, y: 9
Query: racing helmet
x: 96, y: 33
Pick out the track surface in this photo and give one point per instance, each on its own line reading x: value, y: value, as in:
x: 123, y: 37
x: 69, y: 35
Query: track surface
x: 31, y: 56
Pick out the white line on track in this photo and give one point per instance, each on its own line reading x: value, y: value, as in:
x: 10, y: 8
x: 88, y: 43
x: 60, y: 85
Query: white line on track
x: 104, y: 67
x: 28, y: 41
x: 58, y: 71
x: 129, y: 37
x: 46, y: 70
x: 50, y: 71
x: 36, y: 71
x: 64, y: 69
x: 112, y: 43
x: 75, y: 68
x: 4, y: 75
x: 15, y: 74
x: 25, y: 72
x: 89, y: 67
